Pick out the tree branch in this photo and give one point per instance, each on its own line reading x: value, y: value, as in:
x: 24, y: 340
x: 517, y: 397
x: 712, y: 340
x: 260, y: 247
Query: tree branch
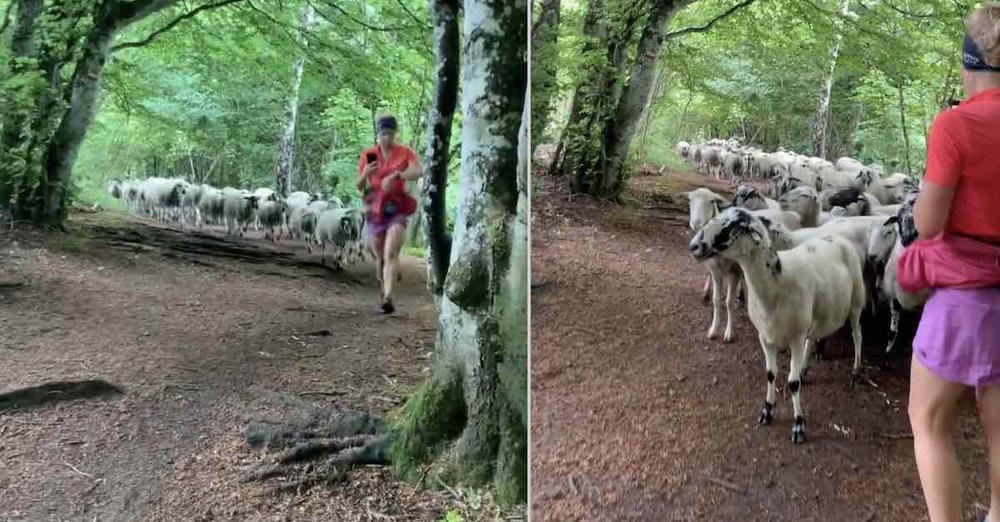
x: 362, y: 23
x: 172, y: 24
x: 6, y: 16
x: 127, y: 13
x: 409, y: 12
x: 706, y: 27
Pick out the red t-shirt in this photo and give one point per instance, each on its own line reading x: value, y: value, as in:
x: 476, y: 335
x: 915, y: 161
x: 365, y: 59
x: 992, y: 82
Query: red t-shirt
x: 963, y: 151
x: 400, y: 157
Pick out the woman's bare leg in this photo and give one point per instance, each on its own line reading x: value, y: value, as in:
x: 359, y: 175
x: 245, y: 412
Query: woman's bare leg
x: 932, y: 418
x: 377, y: 245
x: 393, y: 243
x: 989, y: 415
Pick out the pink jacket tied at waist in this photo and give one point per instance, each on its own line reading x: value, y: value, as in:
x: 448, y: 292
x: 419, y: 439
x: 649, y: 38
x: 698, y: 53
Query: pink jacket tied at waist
x: 948, y: 261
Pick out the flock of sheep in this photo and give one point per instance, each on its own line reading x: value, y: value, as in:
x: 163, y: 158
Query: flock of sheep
x: 812, y: 248
x: 305, y: 216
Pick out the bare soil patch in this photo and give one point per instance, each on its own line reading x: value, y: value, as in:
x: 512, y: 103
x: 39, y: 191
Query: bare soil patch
x: 203, y: 334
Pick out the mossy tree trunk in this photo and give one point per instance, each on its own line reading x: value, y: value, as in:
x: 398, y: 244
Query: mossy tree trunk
x: 45, y: 119
x: 469, y: 419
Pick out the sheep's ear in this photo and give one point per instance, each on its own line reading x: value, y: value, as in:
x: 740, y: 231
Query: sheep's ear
x: 892, y: 220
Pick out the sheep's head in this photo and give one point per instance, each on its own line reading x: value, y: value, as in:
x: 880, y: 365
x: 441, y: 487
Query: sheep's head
x: 733, y: 233
x: 866, y: 177
x: 881, y: 238
x: 907, y: 225
x: 703, y: 205
x: 748, y: 197
x: 253, y: 202
x: 800, y: 199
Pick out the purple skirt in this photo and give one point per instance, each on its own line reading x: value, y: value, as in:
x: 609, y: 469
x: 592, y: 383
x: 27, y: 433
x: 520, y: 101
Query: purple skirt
x: 959, y: 335
x: 379, y: 229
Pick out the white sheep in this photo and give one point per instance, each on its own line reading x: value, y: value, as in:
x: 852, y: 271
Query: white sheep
x: 238, y: 209
x: 724, y: 276
x: 342, y: 228
x: 271, y: 216
x: 795, y: 297
x: 210, y: 206
x: 804, y: 201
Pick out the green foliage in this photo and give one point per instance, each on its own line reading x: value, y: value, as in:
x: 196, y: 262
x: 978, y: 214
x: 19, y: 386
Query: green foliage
x: 757, y: 74
x: 452, y: 516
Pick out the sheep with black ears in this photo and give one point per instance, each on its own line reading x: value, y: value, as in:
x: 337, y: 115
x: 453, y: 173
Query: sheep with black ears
x: 885, y: 246
x: 724, y: 276
x: 343, y: 229
x: 238, y: 209
x: 795, y: 297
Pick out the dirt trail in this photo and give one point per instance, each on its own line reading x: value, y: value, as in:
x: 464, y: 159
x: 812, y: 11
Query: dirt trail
x: 203, y: 334
x: 636, y: 416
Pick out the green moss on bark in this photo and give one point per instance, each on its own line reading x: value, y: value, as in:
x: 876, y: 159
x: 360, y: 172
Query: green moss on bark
x: 432, y: 417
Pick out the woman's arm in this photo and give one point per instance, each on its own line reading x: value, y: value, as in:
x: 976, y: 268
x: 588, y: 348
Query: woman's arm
x: 932, y: 209
x: 413, y: 171
x: 362, y: 182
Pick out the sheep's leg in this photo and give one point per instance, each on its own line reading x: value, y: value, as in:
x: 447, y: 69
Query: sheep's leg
x: 706, y: 294
x: 732, y: 281
x: 810, y: 349
x: 717, y: 280
x: 798, y: 351
x: 856, y: 335
x: 771, y: 366
x: 894, y: 309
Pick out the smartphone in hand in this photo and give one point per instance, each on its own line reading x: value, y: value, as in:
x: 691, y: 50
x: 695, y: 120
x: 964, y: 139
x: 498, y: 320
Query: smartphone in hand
x: 372, y: 158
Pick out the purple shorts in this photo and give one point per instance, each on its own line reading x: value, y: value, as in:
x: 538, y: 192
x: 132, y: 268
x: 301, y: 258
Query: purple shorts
x: 959, y: 335
x: 379, y: 229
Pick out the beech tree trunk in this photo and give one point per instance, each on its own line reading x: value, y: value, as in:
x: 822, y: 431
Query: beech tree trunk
x: 635, y: 98
x: 435, y: 184
x: 607, y: 110
x: 822, y: 118
x: 475, y: 403
x: 40, y: 145
x: 285, y: 156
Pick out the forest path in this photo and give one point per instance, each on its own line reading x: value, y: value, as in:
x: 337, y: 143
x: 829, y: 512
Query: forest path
x: 203, y: 333
x: 636, y: 416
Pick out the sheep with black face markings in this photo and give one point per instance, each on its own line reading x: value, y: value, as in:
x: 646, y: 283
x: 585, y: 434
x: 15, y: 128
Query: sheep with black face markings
x: 795, y: 297
x: 885, y: 245
x: 238, y: 209
x: 341, y: 228
x: 724, y: 276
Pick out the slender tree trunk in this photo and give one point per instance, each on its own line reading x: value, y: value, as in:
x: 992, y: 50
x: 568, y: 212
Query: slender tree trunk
x: 822, y: 117
x: 64, y: 146
x: 621, y: 131
x: 650, y: 111
x: 477, y: 395
x: 544, y: 42
x: 447, y: 56
x: 902, y: 125
x: 285, y: 156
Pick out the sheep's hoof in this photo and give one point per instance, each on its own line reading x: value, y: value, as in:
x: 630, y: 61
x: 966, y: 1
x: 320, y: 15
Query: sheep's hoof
x: 711, y: 335
x: 728, y: 338
x: 856, y: 377
x: 766, y: 414
x: 799, y: 431
x: 706, y: 299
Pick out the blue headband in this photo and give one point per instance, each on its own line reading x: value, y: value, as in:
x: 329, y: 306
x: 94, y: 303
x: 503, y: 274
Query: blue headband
x: 387, y: 123
x: 972, y: 58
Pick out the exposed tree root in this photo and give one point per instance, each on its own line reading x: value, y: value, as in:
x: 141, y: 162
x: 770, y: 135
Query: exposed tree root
x: 320, y: 449
x: 55, y: 392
